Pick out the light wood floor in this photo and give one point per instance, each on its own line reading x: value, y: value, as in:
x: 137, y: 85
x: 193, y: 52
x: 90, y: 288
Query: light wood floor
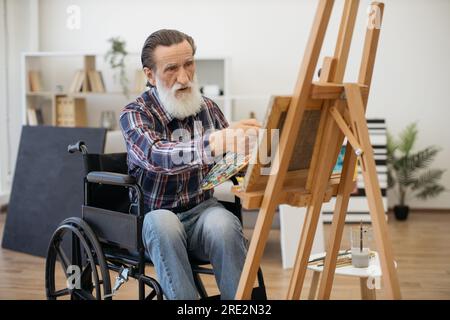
x: 421, y: 246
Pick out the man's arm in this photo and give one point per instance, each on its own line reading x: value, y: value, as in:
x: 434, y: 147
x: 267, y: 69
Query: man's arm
x: 237, y: 137
x: 148, y: 150
x: 220, y: 122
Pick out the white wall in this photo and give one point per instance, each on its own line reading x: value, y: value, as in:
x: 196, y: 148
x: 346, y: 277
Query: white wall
x: 3, y: 99
x: 19, y: 33
x: 265, y: 40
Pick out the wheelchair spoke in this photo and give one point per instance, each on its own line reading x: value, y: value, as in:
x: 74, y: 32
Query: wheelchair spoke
x: 60, y: 293
x: 154, y: 286
x: 84, y: 295
x: 86, y: 254
x: 151, y: 295
x: 86, y: 277
x: 86, y: 270
x: 62, y: 258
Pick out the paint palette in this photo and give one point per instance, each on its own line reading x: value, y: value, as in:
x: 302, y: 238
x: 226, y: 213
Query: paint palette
x: 223, y: 170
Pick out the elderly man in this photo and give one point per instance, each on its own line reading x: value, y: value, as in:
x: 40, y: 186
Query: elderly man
x: 172, y: 134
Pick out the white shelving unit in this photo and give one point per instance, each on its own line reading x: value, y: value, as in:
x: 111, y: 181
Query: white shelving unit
x: 57, y: 70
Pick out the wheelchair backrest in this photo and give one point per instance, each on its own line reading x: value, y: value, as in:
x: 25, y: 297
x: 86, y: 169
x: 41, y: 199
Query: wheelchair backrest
x: 104, y: 196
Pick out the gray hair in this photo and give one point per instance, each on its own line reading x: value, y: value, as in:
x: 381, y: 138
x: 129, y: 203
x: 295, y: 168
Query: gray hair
x: 163, y: 37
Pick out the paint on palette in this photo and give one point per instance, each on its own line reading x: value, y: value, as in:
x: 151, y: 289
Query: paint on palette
x: 223, y: 170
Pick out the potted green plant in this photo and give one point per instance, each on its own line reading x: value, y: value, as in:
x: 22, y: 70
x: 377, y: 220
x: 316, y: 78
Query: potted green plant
x: 116, y: 58
x: 408, y: 171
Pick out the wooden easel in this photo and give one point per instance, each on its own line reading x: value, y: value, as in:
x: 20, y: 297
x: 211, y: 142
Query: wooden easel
x: 342, y: 115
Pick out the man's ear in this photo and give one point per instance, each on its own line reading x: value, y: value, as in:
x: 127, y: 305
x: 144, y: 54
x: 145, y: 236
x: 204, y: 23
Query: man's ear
x: 151, y: 77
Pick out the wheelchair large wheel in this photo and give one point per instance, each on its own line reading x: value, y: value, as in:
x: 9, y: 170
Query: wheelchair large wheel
x: 83, y: 273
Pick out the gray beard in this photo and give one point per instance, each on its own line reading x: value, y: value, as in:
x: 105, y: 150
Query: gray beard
x: 186, y: 105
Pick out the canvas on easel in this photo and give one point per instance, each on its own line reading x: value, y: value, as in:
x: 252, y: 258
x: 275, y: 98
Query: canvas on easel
x: 314, y: 123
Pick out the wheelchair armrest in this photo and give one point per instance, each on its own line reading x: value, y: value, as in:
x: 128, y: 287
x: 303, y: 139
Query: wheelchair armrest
x: 110, y: 178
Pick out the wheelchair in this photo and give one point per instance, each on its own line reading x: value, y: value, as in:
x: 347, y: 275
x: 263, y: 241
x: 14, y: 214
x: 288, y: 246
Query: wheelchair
x: 107, y: 238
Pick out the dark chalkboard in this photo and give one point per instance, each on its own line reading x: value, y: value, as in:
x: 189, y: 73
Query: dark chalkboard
x: 47, y: 185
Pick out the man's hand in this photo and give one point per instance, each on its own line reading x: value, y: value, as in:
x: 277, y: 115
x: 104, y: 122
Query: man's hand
x: 241, y: 137
x: 250, y: 125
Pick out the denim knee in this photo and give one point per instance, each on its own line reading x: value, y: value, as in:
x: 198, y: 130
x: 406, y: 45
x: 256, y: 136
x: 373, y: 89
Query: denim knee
x: 163, y: 226
x: 222, y: 225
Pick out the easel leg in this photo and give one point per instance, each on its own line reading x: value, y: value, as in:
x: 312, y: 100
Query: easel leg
x: 304, y: 249
x: 256, y: 250
x: 314, y: 284
x: 366, y: 293
x: 313, y: 212
x: 337, y: 226
x: 294, y: 115
x: 373, y: 193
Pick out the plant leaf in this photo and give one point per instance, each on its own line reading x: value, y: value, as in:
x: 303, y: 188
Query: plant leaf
x: 392, y: 144
x: 391, y: 179
x: 408, y: 138
x: 116, y: 57
x: 430, y: 191
x: 429, y: 177
x: 419, y: 160
x: 406, y: 177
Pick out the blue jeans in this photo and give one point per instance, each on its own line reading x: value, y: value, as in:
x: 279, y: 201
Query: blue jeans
x: 206, y: 232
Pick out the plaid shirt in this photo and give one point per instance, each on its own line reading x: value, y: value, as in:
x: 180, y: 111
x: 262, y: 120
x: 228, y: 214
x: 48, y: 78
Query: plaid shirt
x: 169, y: 169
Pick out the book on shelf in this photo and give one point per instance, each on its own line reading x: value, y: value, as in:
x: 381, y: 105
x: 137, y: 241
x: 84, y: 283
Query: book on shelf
x: 34, y: 79
x: 71, y: 111
x: 92, y: 79
x: 96, y: 81
x: 35, y: 117
x: 100, y: 81
x: 40, y: 116
x: 87, y: 81
x: 77, y: 82
x: 32, y: 118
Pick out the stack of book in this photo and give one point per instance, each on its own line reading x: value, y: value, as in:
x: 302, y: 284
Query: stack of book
x: 87, y: 81
x: 70, y: 112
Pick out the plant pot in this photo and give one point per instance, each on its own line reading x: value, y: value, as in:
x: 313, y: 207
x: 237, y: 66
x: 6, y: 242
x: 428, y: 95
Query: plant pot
x: 401, y: 212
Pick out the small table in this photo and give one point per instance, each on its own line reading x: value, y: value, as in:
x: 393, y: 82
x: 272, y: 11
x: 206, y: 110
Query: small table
x: 368, y: 277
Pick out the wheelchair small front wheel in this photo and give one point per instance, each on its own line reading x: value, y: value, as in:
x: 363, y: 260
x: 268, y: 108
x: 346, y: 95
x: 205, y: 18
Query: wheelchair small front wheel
x: 82, y: 273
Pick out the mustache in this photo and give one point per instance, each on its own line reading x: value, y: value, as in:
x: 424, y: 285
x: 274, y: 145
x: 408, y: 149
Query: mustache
x: 178, y: 86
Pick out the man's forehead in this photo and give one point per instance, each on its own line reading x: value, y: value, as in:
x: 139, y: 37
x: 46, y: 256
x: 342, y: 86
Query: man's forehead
x: 173, y: 54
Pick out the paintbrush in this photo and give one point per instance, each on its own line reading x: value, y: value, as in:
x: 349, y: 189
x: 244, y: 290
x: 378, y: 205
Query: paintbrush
x: 360, y: 236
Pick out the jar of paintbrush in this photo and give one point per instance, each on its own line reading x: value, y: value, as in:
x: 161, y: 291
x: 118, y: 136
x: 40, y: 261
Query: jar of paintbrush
x: 360, y: 246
